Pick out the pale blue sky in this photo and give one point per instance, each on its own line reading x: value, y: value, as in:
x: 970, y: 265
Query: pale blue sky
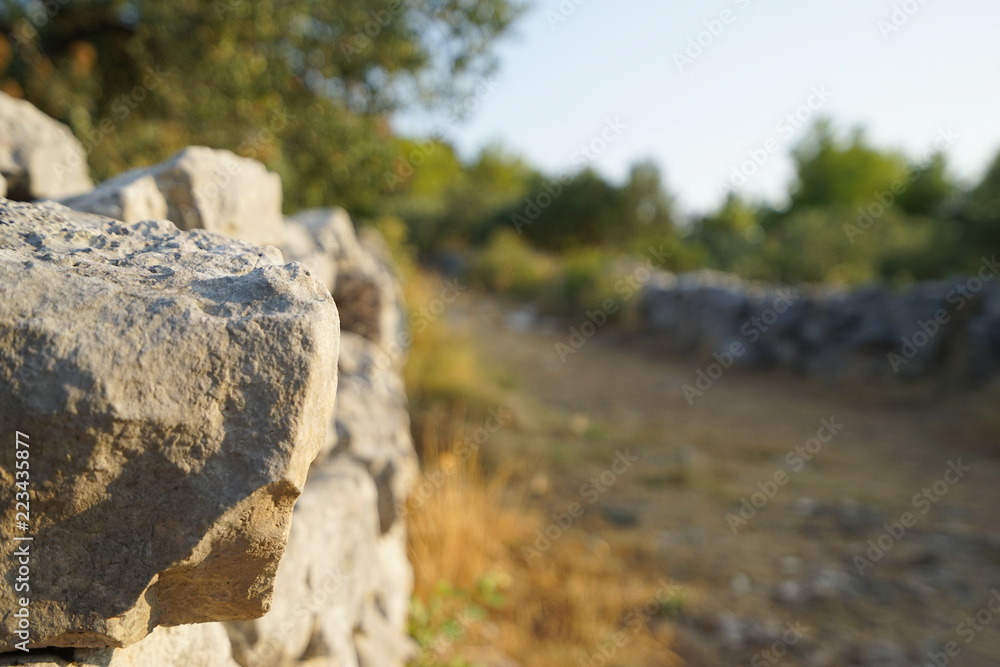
x: 560, y: 82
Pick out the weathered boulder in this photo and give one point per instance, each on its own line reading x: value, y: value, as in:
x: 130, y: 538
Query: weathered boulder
x: 927, y: 328
x: 198, y: 188
x: 343, y: 586
x: 299, y: 245
x: 39, y: 157
x: 364, y: 288
x: 372, y: 422
x: 131, y: 197
x: 329, y: 590
x: 176, y: 387
x: 196, y: 645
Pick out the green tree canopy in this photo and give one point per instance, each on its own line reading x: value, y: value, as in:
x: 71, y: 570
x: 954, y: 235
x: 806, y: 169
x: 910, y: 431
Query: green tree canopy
x: 303, y: 85
x: 980, y: 214
x: 833, y: 171
x: 451, y: 204
x: 587, y: 210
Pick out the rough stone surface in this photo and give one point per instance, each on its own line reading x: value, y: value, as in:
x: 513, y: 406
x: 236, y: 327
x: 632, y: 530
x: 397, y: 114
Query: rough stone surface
x: 364, y: 288
x: 39, y: 157
x: 200, y: 188
x: 344, y: 584
x: 299, y: 245
x: 945, y: 326
x: 197, y: 645
x: 131, y: 197
x: 372, y: 423
x: 175, y: 388
x: 329, y: 587
x: 342, y: 589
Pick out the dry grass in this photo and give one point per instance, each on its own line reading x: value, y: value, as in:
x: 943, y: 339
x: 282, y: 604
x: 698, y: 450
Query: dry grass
x: 478, y: 596
x: 458, y: 525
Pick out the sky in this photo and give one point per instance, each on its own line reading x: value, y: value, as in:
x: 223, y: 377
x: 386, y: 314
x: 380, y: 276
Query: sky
x: 718, y: 92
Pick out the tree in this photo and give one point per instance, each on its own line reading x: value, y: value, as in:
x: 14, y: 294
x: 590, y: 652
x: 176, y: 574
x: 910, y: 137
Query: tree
x: 831, y: 171
x: 729, y: 233
x: 979, y: 216
x: 584, y: 210
x: 450, y: 204
x: 929, y: 187
x: 303, y: 85
x: 647, y: 210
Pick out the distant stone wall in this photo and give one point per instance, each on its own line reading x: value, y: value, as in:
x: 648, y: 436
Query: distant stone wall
x: 209, y: 498
x: 945, y: 326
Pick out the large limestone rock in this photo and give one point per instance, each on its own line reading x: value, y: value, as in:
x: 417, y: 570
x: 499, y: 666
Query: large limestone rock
x: 198, y: 645
x: 372, y: 422
x: 131, y: 197
x: 329, y: 588
x: 299, y: 245
x: 342, y: 589
x: 364, y: 287
x: 198, y: 188
x: 39, y: 157
x: 175, y: 388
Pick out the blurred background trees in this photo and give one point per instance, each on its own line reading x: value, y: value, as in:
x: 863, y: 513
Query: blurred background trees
x: 303, y: 85
x: 309, y: 88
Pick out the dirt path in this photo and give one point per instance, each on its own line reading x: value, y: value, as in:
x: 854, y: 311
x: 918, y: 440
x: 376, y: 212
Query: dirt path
x: 823, y: 470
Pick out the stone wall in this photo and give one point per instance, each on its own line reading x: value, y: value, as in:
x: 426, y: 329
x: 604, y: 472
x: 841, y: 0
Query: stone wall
x: 930, y: 328
x: 205, y: 489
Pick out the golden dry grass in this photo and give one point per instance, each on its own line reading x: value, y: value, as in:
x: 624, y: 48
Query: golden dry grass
x: 467, y: 541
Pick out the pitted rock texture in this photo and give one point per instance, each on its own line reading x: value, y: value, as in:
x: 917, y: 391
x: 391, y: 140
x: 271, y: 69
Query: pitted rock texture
x: 176, y: 387
x: 198, y: 188
x: 39, y: 157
